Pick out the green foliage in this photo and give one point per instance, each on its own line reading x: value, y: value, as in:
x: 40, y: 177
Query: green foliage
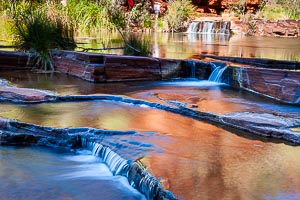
x: 178, y: 12
x: 38, y: 34
x: 133, y: 45
x: 137, y: 46
x: 239, y: 8
x: 279, y: 9
x: 88, y: 14
x: 139, y: 16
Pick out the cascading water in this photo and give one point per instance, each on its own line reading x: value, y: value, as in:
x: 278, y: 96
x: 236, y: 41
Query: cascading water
x: 209, y: 27
x: 193, y: 27
x: 193, y: 70
x: 138, y: 176
x: 224, y: 28
x: 216, y: 75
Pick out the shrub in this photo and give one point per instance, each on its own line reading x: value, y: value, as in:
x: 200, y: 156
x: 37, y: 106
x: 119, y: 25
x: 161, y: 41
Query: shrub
x: 38, y: 34
x: 178, y: 12
x: 139, y: 16
x: 279, y: 9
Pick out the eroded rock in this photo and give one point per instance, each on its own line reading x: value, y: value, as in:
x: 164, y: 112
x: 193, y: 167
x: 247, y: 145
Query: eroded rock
x: 15, y: 94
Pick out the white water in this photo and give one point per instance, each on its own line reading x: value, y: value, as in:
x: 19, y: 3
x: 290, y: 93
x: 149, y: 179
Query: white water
x: 209, y: 27
x: 224, y: 28
x: 193, y: 27
x: 116, y: 164
x: 216, y: 75
x: 147, y: 184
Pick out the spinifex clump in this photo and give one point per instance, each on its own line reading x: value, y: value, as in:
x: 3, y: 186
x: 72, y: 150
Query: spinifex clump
x: 37, y: 33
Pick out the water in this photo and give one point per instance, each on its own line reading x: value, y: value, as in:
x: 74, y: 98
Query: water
x: 208, y: 96
x: 216, y: 75
x: 186, y: 45
x: 195, y: 160
x: 193, y: 27
x: 40, y: 173
x: 209, y: 27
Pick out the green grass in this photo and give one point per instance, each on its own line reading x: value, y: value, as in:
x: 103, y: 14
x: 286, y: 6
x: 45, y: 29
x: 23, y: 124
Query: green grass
x: 38, y: 34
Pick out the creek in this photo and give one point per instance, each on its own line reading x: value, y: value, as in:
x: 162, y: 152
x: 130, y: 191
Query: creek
x: 194, y: 159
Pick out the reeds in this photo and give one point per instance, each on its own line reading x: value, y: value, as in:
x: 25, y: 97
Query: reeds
x: 38, y: 34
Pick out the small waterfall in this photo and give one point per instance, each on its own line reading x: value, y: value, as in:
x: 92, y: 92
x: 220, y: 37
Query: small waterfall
x: 216, y: 75
x: 193, y: 70
x: 116, y: 164
x: 224, y: 28
x: 193, y: 27
x: 138, y: 176
x: 208, y: 27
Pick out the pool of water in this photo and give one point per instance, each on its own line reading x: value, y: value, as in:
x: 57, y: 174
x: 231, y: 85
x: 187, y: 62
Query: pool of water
x: 186, y: 45
x: 41, y: 173
x: 195, y: 160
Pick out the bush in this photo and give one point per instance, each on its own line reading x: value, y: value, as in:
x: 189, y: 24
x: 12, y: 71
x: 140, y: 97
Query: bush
x: 178, y: 12
x: 38, y: 34
x: 279, y: 9
x: 139, y: 16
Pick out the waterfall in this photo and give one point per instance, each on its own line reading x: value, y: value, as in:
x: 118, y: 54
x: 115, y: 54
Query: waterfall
x: 216, y: 75
x: 138, y: 176
x: 193, y: 70
x: 193, y: 27
x: 116, y: 164
x: 209, y: 27
x: 224, y: 28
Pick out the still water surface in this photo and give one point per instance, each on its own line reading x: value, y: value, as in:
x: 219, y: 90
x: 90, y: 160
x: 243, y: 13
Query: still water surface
x: 186, y: 45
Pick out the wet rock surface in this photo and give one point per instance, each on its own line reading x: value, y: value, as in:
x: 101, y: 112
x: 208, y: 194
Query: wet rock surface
x: 263, y: 124
x: 15, y: 94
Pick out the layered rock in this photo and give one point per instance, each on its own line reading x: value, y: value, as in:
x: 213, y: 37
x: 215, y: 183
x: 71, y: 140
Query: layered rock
x: 15, y: 94
x: 283, y: 85
x: 15, y: 60
x: 270, y: 28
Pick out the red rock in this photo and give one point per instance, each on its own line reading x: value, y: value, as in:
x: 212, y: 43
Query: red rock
x: 25, y: 94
